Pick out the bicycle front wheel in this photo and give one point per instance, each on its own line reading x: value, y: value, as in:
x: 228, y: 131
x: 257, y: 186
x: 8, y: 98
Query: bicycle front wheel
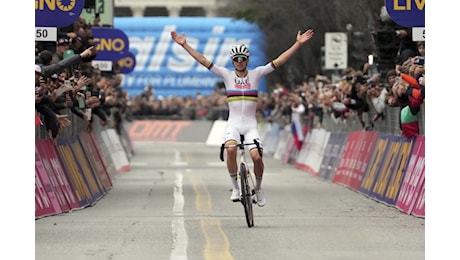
x: 246, y: 195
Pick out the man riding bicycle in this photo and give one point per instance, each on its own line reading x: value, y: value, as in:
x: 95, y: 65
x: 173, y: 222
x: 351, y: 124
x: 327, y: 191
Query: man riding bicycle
x: 242, y: 87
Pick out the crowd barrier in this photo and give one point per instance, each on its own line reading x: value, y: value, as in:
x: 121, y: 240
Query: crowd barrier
x: 387, y: 168
x: 77, y: 171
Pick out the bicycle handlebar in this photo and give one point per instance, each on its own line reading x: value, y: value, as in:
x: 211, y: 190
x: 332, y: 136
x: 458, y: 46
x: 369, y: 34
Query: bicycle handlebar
x: 241, y: 146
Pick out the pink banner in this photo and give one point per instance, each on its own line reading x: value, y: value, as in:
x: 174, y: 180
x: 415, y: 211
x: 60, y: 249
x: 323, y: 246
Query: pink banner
x: 49, y: 155
x: 52, y: 176
x: 419, y: 207
x: 46, y: 202
x: 414, y: 178
x: 355, y: 157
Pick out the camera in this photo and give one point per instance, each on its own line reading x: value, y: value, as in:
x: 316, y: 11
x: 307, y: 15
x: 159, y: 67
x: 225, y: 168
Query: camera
x: 420, y: 61
x: 347, y: 77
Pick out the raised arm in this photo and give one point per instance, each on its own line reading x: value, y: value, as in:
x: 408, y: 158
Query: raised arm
x: 182, y: 41
x: 287, y: 54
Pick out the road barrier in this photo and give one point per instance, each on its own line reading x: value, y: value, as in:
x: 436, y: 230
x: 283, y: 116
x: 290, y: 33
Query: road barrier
x: 77, y: 171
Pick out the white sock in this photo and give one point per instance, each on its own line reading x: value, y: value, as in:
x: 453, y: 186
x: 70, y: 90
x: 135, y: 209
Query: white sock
x: 258, y: 183
x: 234, y: 179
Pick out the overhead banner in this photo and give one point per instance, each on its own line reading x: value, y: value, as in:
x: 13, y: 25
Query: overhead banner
x: 166, y: 66
x: 57, y: 13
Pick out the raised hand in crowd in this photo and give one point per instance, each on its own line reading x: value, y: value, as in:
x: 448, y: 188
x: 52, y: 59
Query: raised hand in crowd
x: 81, y: 82
x: 88, y: 52
x: 63, y: 120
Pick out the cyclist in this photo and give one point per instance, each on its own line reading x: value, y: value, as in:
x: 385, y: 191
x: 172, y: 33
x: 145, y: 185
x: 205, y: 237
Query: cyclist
x: 242, y: 92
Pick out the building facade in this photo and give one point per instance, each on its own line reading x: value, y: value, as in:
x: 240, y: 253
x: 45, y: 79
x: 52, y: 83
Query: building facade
x: 171, y: 8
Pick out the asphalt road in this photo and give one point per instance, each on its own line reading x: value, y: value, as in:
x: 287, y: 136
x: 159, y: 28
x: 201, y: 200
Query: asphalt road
x: 174, y: 204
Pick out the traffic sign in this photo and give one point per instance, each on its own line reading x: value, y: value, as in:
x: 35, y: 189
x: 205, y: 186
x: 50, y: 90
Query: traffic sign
x: 336, y: 50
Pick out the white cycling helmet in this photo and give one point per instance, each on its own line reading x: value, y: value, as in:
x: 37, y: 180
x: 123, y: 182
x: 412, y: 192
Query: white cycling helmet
x: 239, y: 50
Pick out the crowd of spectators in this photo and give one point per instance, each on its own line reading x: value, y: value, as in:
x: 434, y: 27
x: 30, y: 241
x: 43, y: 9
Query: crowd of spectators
x: 356, y: 93
x: 66, y: 81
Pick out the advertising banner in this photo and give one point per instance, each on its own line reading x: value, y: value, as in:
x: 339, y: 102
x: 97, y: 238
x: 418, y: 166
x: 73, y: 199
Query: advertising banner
x: 49, y: 154
x: 111, y: 44
x: 419, y: 207
x: 355, y: 157
x: 283, y: 144
x: 95, y: 162
x: 332, y: 154
x: 116, y: 151
x: 393, y: 164
x: 414, y: 178
x: 127, y: 62
x: 407, y: 13
x: 46, y: 202
x: 57, y: 13
x: 104, y: 153
x: 311, y: 154
x: 166, y: 66
x: 74, y: 172
x: 54, y: 179
x: 375, y: 164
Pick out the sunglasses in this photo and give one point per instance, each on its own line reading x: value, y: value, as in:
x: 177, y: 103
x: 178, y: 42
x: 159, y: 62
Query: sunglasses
x: 239, y: 58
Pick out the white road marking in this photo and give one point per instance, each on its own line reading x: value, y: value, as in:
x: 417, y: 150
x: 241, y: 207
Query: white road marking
x: 179, y: 234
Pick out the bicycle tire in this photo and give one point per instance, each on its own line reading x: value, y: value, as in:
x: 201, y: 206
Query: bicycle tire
x: 246, y: 195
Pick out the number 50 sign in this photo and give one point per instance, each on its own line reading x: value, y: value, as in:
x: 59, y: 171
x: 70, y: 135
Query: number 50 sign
x: 46, y: 34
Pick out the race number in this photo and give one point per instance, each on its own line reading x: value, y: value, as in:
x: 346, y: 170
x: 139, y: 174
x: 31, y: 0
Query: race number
x: 46, y: 34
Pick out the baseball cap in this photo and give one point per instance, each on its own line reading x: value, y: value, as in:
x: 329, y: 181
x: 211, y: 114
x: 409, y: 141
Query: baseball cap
x: 62, y: 41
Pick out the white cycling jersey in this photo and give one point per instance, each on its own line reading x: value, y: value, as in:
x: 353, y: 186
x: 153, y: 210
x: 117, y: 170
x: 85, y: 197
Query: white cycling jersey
x: 242, y: 95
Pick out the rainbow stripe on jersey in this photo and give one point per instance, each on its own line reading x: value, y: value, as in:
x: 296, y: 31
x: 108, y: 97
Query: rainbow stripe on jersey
x: 239, y: 95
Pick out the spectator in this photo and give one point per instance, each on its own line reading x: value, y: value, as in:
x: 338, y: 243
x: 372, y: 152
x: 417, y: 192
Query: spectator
x: 44, y: 58
x: 421, y: 48
x: 409, y: 122
x: 149, y: 92
x: 48, y: 70
x: 377, y: 94
x: 44, y: 104
x: 298, y: 126
x: 62, y: 45
x: 356, y: 98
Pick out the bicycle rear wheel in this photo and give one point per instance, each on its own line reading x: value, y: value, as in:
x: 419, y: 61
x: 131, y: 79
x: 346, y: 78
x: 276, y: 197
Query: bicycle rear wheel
x: 246, y: 195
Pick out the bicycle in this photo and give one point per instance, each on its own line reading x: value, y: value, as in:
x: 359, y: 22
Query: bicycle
x: 247, y: 183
